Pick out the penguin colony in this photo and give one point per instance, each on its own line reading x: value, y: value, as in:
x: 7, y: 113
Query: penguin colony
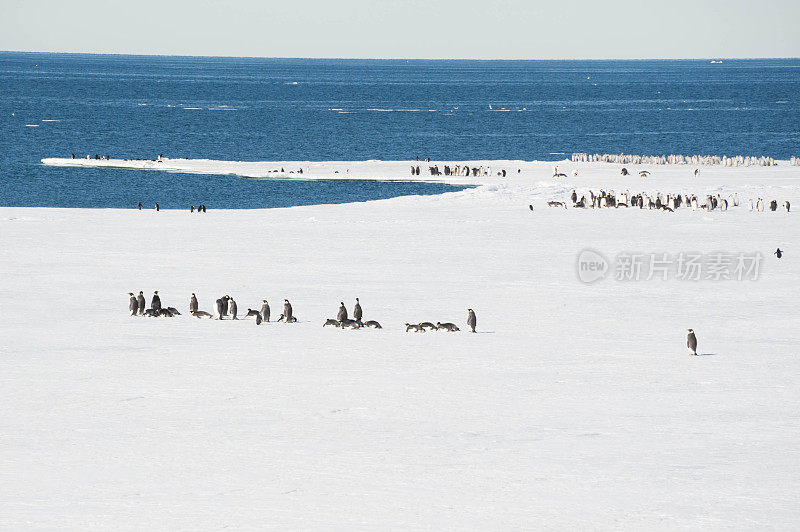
x: 706, y: 160
x: 226, y: 307
x: 459, y: 170
x: 664, y: 202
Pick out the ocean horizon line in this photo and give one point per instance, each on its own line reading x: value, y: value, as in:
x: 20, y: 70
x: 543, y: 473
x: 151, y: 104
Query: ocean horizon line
x: 420, y: 59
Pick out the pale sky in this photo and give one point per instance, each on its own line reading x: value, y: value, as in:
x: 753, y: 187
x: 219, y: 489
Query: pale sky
x: 498, y: 29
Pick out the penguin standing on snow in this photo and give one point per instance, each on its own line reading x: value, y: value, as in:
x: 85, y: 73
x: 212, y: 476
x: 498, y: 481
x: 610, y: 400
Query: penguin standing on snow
x: 220, y: 309
x: 342, y: 315
x: 142, y: 304
x: 193, y: 304
x: 691, y: 342
x: 133, y: 306
x: 287, y: 311
x: 232, y: 308
x: 357, y: 312
x: 225, y: 305
x: 472, y: 320
x: 779, y: 253
x: 155, y: 304
x: 265, y: 311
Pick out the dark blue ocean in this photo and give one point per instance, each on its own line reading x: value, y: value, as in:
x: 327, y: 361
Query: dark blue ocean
x: 301, y: 109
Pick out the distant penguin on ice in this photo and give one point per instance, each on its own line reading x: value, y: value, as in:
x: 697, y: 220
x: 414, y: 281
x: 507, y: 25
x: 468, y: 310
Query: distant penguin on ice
x: 155, y: 304
x: 471, y: 320
x: 142, y: 304
x: 232, y: 307
x: 691, y: 342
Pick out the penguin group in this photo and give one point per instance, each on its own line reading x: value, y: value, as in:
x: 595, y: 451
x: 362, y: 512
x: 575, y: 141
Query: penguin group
x: 227, y: 308
x: 343, y: 322
x: 421, y: 327
x: 706, y: 160
x: 460, y: 170
x: 137, y: 305
x: 758, y: 205
x: 663, y: 202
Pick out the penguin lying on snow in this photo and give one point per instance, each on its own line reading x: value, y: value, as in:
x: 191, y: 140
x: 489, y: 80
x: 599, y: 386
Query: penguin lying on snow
x: 373, y: 323
x: 414, y: 327
x: 201, y: 314
x: 352, y: 324
x: 449, y: 327
x: 427, y: 325
x: 290, y: 319
x: 331, y: 322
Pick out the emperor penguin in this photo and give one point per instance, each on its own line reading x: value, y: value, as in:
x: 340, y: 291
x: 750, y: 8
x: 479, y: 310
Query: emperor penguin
x: 342, y: 314
x: 357, y: 312
x: 352, y: 324
x: 133, y: 306
x: 225, y: 305
x: 155, y: 304
x: 232, y: 308
x: 691, y: 342
x: 471, y: 320
x: 265, y: 311
x: 220, y: 309
x: 193, y: 303
x: 287, y: 310
x: 778, y: 253
x: 142, y: 304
